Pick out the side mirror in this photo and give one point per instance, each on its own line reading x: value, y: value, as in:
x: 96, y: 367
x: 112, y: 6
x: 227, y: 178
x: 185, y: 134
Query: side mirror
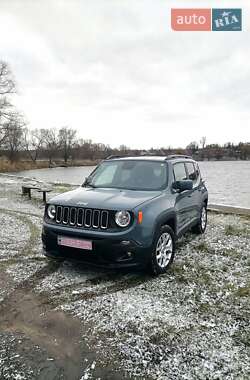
x: 186, y: 184
x: 86, y: 181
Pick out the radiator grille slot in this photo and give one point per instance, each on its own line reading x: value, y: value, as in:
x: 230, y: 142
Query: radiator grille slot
x: 65, y: 215
x: 88, y: 217
x: 96, y: 218
x: 72, y: 219
x: 59, y: 211
x: 80, y: 217
x: 104, y: 219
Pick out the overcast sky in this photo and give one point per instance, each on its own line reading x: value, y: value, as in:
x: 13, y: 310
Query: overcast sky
x: 114, y: 70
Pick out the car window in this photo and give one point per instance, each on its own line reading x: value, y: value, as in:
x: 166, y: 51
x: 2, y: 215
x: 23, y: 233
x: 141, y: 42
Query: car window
x: 180, y: 171
x: 192, y: 174
x: 105, y: 174
x: 198, y: 173
x: 131, y: 174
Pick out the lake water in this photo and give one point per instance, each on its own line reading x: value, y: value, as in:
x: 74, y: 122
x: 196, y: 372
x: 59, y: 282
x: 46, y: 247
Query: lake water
x: 228, y: 182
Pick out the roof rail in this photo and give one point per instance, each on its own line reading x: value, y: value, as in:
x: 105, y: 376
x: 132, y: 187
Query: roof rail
x: 172, y: 156
x: 114, y: 156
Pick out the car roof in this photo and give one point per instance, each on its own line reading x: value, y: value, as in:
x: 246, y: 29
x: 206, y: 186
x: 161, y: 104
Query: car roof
x: 176, y: 157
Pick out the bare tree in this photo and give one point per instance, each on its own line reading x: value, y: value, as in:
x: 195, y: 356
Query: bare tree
x: 67, y: 140
x: 203, y: 142
x: 87, y: 150
x: 7, y: 87
x: 32, y: 142
x: 13, y: 136
x: 192, y: 147
x: 50, y: 142
x: 123, y: 149
x: 7, y: 84
x: 244, y: 150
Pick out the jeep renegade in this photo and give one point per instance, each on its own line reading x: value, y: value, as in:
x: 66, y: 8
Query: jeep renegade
x: 129, y: 212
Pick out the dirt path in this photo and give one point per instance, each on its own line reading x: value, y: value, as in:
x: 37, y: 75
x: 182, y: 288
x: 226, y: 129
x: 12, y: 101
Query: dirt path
x: 56, y: 332
x: 25, y: 312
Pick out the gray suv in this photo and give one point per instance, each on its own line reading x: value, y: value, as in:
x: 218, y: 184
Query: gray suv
x: 129, y: 212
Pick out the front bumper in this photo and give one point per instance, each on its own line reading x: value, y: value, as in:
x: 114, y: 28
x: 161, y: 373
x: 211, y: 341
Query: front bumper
x: 109, y: 250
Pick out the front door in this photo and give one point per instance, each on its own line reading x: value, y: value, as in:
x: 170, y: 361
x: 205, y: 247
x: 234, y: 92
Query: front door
x: 182, y: 201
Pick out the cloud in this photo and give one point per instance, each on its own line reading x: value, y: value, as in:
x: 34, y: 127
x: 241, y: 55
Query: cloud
x: 116, y: 72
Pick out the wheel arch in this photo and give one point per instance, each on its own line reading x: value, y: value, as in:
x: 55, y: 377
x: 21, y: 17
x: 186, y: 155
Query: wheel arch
x: 168, y: 219
x: 205, y: 201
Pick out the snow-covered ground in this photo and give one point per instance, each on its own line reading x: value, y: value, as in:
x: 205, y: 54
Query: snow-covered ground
x: 192, y: 323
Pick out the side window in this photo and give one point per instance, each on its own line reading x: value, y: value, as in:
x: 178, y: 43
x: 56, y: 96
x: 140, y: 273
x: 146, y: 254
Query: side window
x: 198, y: 173
x: 193, y: 172
x: 180, y: 171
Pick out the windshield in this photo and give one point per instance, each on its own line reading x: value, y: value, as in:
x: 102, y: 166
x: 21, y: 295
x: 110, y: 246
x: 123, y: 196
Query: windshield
x: 130, y: 174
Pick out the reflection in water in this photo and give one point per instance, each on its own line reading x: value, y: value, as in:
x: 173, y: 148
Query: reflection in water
x: 228, y: 182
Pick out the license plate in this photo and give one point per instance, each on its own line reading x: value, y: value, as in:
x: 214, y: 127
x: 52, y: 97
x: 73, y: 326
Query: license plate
x: 75, y: 243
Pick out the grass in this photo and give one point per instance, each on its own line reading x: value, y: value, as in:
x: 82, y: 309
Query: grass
x: 232, y: 253
x: 60, y: 188
x: 242, y: 337
x: 34, y: 231
x: 203, y: 247
x: 159, y: 337
x: 204, y: 307
x: 179, y: 273
x: 7, y: 166
x: 243, y: 291
x: 234, y: 231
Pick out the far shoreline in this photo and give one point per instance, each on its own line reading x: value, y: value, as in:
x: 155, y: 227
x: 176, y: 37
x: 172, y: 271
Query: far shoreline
x: 23, y: 165
x: 16, y: 167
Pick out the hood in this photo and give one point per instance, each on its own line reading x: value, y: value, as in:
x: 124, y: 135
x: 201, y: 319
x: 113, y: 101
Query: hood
x: 111, y: 199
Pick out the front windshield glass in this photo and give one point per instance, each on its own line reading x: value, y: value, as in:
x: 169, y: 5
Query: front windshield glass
x: 130, y: 174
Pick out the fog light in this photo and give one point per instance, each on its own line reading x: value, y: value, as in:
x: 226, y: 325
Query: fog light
x: 129, y: 254
x: 125, y: 242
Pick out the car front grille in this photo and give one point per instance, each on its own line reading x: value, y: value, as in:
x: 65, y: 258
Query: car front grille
x: 82, y: 217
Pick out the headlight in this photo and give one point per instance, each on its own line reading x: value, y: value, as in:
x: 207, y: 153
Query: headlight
x: 122, y: 218
x: 51, y: 211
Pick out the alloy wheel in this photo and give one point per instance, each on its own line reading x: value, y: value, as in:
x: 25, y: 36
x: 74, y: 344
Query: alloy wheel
x: 203, y: 218
x: 164, y: 249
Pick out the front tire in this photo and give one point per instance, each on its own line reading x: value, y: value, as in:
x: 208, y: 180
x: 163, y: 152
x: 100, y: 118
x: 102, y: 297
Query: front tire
x: 163, y: 250
x: 201, y: 226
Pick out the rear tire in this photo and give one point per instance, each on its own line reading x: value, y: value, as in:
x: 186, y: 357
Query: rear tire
x: 201, y: 226
x: 163, y: 250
